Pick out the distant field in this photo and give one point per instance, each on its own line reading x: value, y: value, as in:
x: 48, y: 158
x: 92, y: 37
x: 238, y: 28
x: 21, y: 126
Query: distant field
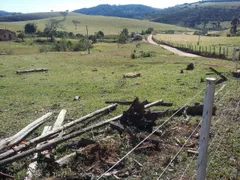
x: 205, y: 41
x: 109, y: 25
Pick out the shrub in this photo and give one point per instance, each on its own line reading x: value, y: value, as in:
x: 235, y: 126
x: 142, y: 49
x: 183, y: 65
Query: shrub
x: 133, y: 56
x: 61, y: 45
x: 82, y: 45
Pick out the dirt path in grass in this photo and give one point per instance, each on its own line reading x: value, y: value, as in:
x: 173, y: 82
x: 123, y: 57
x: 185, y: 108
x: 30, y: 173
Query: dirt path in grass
x: 174, y: 50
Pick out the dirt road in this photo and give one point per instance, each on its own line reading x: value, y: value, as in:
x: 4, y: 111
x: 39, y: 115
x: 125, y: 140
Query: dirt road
x: 174, y: 50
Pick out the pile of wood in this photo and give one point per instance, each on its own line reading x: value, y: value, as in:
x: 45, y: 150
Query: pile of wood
x: 18, y: 146
x: 137, y: 121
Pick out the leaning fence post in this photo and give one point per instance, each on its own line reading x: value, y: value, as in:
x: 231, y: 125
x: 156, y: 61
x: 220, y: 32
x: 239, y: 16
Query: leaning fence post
x: 205, y: 128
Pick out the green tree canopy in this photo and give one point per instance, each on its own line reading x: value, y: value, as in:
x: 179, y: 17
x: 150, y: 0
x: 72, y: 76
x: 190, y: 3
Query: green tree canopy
x: 30, y: 28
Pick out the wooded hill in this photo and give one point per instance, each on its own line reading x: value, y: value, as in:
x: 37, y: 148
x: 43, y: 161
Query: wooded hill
x: 13, y: 17
x: 128, y: 11
x: 191, y: 15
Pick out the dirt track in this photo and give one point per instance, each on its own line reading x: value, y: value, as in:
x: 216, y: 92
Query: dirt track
x: 174, y: 50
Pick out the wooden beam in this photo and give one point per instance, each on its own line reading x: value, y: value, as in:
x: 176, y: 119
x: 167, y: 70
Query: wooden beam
x: 57, y: 140
x: 31, y: 70
x: 11, y: 141
x: 50, y: 134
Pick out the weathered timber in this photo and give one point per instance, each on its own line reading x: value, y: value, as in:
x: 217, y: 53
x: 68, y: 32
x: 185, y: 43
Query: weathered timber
x: 59, y: 122
x: 32, y: 168
x: 64, y: 161
x: 50, y: 134
x: 223, y: 78
x: 130, y: 102
x: 31, y: 70
x: 11, y: 141
x: 194, y: 152
x: 4, y: 160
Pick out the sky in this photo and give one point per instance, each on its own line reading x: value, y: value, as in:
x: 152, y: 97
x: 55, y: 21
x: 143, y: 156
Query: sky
x: 28, y: 6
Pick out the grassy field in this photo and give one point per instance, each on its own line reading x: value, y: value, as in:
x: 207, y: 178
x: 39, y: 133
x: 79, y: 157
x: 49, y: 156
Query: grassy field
x: 95, y: 78
x: 70, y: 74
x: 205, y: 41
x: 109, y: 25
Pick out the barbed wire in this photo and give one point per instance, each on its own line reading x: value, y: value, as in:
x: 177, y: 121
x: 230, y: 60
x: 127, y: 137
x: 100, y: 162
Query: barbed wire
x: 160, y: 126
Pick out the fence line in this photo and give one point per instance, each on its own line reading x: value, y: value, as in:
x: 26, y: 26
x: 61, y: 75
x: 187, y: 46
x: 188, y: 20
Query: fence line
x: 223, y: 97
x: 160, y: 126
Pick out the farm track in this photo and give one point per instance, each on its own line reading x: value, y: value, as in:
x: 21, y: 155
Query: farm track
x: 171, y: 49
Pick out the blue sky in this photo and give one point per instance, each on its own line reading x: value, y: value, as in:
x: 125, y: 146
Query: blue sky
x: 26, y: 6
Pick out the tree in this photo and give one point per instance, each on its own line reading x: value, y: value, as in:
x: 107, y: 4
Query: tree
x: 76, y: 22
x: 125, y: 32
x: 149, y: 30
x: 234, y: 24
x: 99, y: 35
x: 52, y: 25
x: 21, y: 36
x: 30, y: 28
x: 123, y: 36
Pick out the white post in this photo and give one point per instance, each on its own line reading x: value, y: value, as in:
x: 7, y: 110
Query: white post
x: 205, y: 128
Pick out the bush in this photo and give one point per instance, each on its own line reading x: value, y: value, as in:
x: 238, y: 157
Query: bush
x: 82, y: 45
x: 133, y: 56
x: 61, y: 45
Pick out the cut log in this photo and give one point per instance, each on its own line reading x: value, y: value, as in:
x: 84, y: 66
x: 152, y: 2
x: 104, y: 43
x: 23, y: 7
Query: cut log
x: 31, y: 70
x: 223, y: 78
x: 53, y: 142
x: 32, y: 168
x: 11, y: 141
x: 50, y: 134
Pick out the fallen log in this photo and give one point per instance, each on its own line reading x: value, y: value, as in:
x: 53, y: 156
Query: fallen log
x: 130, y: 102
x: 223, y: 78
x: 31, y: 70
x: 51, y: 133
x: 11, y: 141
x: 53, y: 142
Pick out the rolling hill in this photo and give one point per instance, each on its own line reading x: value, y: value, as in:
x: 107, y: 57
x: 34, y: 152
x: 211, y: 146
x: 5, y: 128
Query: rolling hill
x: 135, y: 11
x: 13, y: 17
x: 109, y: 25
x: 191, y: 15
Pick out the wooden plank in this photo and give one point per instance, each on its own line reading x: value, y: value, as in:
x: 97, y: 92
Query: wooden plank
x: 11, y: 141
x: 52, y: 133
x: 31, y: 70
x: 60, y: 119
x: 55, y: 141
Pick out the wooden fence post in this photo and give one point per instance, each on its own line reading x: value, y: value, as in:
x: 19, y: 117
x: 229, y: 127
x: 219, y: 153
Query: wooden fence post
x: 205, y: 128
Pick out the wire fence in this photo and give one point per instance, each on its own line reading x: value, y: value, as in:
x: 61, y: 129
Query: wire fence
x: 160, y: 126
x: 215, y: 142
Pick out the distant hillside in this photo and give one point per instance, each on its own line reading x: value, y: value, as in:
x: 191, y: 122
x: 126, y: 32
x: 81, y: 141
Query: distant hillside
x: 109, y: 25
x: 127, y: 11
x: 4, y: 13
x: 194, y: 14
x: 10, y: 17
